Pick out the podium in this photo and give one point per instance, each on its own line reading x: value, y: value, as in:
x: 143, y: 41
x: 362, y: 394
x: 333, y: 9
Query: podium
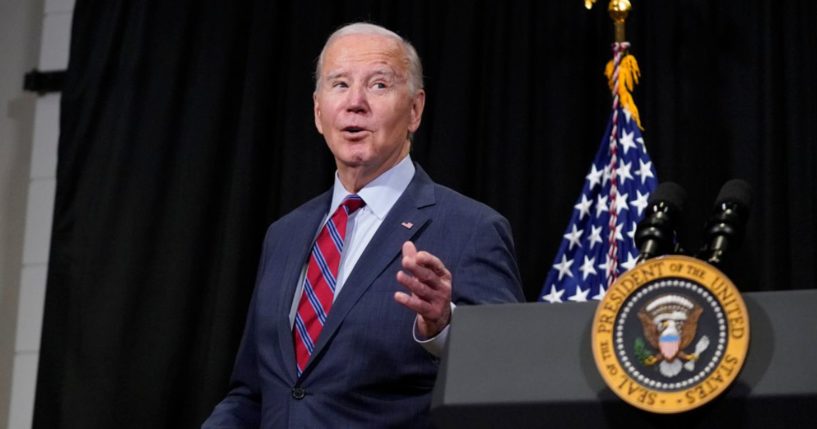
x: 531, y: 365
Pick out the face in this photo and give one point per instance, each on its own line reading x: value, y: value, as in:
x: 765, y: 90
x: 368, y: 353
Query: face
x: 363, y: 106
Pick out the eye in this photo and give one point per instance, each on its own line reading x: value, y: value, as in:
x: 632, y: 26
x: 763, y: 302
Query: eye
x: 339, y: 84
x: 379, y: 84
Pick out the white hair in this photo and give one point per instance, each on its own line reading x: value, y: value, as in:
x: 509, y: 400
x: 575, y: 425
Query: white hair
x: 415, y: 68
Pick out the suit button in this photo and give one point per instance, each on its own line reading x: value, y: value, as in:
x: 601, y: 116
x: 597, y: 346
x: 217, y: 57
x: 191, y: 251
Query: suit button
x: 298, y: 393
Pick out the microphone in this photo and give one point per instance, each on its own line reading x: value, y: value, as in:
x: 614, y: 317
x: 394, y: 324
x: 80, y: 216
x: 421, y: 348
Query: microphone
x: 725, y: 227
x: 655, y: 234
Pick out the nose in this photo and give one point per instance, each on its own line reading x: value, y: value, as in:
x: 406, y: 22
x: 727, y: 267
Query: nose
x: 357, y: 101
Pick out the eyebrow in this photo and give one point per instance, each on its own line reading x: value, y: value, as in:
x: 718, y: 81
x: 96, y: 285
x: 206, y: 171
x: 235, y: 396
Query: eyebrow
x: 384, y: 72
x: 335, y: 75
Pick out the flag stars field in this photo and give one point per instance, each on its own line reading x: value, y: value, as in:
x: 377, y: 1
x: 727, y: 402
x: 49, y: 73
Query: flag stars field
x: 580, y: 268
x: 579, y: 271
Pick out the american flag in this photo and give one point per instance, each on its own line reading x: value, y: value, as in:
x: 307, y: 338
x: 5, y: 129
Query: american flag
x: 613, y: 198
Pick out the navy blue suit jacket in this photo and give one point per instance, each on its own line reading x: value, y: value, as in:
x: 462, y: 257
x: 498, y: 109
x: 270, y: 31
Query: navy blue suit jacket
x: 366, y: 370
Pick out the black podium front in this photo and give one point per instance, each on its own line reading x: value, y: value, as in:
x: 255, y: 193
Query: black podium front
x: 531, y: 365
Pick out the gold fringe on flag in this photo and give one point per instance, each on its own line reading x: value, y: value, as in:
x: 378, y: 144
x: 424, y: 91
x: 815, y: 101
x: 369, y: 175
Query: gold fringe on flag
x: 627, y: 79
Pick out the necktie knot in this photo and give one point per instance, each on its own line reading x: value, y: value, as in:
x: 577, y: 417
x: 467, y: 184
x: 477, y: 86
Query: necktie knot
x: 352, y: 202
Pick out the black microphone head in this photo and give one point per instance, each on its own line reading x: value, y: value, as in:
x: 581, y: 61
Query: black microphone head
x: 671, y: 194
x: 735, y: 191
x: 725, y: 229
x: 655, y: 234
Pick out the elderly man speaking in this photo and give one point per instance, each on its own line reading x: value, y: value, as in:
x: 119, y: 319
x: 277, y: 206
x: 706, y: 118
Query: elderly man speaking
x: 356, y: 288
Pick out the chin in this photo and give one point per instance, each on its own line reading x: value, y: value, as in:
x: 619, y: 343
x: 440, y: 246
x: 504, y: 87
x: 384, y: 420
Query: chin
x: 354, y: 153
x: 353, y: 160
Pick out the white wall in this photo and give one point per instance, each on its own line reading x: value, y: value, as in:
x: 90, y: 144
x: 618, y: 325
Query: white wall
x: 32, y: 34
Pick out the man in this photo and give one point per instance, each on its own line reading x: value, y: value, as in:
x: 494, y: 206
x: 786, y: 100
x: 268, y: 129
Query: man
x: 348, y: 318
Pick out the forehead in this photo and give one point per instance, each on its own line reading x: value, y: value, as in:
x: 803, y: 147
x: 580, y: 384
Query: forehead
x: 361, y: 50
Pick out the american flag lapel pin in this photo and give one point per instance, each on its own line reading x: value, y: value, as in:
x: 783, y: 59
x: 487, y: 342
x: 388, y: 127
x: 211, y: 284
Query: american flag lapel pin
x: 407, y: 225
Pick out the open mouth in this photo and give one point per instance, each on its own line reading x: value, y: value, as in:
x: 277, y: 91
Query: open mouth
x: 354, y: 132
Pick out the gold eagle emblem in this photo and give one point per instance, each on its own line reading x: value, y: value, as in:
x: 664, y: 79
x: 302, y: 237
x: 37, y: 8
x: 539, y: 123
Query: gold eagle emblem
x: 670, y: 323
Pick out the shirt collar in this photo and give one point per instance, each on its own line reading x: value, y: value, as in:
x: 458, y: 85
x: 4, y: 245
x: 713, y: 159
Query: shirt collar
x: 381, y: 193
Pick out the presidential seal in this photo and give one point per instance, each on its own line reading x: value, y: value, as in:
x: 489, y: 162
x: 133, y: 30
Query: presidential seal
x: 671, y: 334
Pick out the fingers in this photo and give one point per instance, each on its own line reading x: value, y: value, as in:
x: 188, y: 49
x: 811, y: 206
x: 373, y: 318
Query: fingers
x: 424, y: 294
x: 424, y: 266
x: 413, y: 302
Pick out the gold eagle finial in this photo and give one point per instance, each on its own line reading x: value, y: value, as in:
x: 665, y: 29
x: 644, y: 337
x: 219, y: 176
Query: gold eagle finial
x: 618, y: 9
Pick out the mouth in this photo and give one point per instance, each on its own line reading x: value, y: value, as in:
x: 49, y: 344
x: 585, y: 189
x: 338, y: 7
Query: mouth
x: 354, y: 131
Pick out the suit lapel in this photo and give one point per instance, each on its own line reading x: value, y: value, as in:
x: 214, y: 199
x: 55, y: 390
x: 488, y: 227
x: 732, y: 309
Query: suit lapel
x: 301, y: 235
x: 411, y: 208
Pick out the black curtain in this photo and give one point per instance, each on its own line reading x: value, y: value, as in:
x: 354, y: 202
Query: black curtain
x: 187, y: 128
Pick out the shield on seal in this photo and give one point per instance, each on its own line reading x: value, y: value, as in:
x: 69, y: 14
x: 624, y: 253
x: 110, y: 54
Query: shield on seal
x: 669, y: 343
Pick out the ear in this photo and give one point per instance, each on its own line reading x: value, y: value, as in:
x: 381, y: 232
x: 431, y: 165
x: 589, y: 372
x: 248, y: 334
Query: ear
x: 316, y: 108
x: 417, y: 105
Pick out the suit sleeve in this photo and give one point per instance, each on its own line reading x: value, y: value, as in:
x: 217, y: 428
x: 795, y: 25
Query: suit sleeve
x: 241, y: 407
x: 486, y: 272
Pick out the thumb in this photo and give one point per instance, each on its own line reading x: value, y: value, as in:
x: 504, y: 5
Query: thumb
x: 409, y: 250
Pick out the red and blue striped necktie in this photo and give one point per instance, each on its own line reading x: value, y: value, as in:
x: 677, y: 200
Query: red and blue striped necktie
x: 320, y: 279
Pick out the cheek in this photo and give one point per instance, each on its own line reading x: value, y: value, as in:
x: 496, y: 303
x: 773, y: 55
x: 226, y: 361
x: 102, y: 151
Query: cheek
x: 393, y: 117
x: 327, y: 109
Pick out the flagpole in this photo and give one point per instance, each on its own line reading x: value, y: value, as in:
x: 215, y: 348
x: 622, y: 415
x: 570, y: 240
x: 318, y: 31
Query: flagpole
x: 618, y: 10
